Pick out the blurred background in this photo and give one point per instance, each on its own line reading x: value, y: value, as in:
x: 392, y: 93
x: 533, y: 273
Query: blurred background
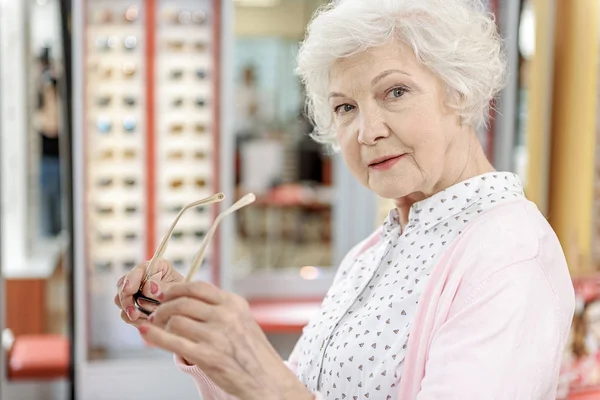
x: 114, y: 114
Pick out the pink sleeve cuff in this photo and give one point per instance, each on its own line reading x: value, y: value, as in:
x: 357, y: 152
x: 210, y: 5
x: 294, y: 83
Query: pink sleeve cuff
x: 206, y: 386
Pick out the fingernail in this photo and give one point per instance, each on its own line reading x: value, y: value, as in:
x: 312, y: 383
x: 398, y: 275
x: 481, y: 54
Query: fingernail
x: 153, y: 287
x: 151, y: 318
x: 143, y: 329
x: 129, y: 312
x: 160, y: 296
x: 125, y: 284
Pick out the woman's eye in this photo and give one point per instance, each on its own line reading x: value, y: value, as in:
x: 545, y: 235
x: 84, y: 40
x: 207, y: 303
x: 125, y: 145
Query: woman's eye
x: 343, y: 108
x: 397, y: 93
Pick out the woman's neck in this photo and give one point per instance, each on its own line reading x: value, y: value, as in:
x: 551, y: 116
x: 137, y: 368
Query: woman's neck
x: 460, y: 166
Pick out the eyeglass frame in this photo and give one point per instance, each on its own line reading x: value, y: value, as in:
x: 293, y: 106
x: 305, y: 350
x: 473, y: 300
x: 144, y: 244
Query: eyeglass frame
x: 199, y: 256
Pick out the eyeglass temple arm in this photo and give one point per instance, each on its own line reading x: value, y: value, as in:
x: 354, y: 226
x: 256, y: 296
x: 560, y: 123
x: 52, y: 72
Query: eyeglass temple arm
x: 165, y: 241
x: 199, y: 256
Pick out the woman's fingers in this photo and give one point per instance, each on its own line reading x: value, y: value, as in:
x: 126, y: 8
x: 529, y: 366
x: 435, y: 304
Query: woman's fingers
x: 153, y: 288
x: 182, y: 307
x: 192, y: 330
x: 170, y: 342
x: 124, y: 315
x: 202, y: 291
x: 131, y: 284
x: 136, y: 323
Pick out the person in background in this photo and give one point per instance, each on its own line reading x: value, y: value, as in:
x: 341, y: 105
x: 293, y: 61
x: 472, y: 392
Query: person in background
x: 463, y: 293
x: 247, y: 102
x: 246, y: 111
x: 47, y: 126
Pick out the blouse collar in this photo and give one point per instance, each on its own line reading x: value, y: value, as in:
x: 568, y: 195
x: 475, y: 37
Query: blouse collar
x: 455, y: 199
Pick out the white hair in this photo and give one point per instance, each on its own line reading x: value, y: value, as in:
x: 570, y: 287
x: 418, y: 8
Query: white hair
x: 456, y: 39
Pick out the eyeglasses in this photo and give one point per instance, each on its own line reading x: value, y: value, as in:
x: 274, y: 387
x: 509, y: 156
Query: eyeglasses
x: 175, y: 155
x: 178, y: 128
x: 109, y: 237
x: 106, y: 100
x: 109, y: 210
x: 103, y: 266
x: 181, y: 46
x: 108, y: 182
x: 104, y: 125
x: 178, y: 183
x: 111, y: 43
x: 198, y: 101
x: 184, y: 17
x: 178, y: 235
x: 108, y: 16
x: 128, y: 70
x: 106, y: 72
x: 145, y: 304
x: 110, y: 154
x: 178, y: 74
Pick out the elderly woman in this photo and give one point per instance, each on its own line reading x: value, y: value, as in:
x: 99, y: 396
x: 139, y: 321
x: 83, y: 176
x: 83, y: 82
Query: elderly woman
x: 463, y: 293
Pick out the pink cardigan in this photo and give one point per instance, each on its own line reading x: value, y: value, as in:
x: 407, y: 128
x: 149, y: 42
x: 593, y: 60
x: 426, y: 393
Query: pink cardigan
x: 493, y: 321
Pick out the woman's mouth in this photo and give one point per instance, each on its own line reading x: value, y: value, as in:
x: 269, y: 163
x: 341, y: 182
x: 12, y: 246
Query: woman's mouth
x: 385, y: 163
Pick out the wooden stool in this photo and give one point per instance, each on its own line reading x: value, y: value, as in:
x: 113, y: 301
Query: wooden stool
x: 39, y: 357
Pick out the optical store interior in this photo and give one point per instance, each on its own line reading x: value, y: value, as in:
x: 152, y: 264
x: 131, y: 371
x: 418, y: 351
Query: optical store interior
x: 116, y: 114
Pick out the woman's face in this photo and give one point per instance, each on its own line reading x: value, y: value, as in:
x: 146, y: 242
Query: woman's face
x: 395, y: 132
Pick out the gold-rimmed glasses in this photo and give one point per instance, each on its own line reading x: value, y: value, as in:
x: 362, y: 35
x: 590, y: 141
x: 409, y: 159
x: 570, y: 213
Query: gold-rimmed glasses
x: 139, y: 298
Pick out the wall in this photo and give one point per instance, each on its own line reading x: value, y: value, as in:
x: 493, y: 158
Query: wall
x: 13, y: 149
x: 575, y: 100
x: 44, y: 26
x: 288, y: 19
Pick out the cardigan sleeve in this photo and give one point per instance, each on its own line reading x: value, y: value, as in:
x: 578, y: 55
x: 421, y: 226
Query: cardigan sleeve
x: 503, y: 341
x: 208, y: 390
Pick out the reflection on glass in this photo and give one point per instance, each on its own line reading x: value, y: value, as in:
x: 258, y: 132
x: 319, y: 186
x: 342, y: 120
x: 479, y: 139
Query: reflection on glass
x: 289, y: 226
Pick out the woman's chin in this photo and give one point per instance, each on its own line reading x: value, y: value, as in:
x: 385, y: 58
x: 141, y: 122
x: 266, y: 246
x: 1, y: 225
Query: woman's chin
x: 391, y: 192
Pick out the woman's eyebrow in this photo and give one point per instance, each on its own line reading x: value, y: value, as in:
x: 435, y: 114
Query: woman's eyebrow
x: 386, y: 73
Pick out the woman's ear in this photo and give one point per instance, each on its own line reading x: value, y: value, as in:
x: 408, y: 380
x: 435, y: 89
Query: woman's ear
x: 452, y: 101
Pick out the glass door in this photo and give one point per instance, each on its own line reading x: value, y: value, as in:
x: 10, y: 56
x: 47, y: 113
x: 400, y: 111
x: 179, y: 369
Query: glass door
x: 2, y: 357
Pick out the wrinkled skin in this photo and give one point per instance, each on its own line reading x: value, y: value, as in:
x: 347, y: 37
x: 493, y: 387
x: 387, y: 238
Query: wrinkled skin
x: 212, y: 329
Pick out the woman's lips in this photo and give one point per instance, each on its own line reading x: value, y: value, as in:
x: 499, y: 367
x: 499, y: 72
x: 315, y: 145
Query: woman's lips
x: 385, y: 163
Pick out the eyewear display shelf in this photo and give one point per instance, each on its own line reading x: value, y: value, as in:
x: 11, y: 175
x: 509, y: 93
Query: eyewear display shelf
x: 146, y: 144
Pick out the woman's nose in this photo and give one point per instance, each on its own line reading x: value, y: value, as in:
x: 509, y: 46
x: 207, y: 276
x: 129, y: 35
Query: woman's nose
x: 372, y: 127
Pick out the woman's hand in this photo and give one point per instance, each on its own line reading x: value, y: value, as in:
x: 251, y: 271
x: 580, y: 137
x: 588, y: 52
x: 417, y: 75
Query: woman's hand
x: 216, y: 331
x: 129, y: 284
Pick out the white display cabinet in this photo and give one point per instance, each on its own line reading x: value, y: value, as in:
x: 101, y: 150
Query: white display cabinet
x: 145, y: 143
